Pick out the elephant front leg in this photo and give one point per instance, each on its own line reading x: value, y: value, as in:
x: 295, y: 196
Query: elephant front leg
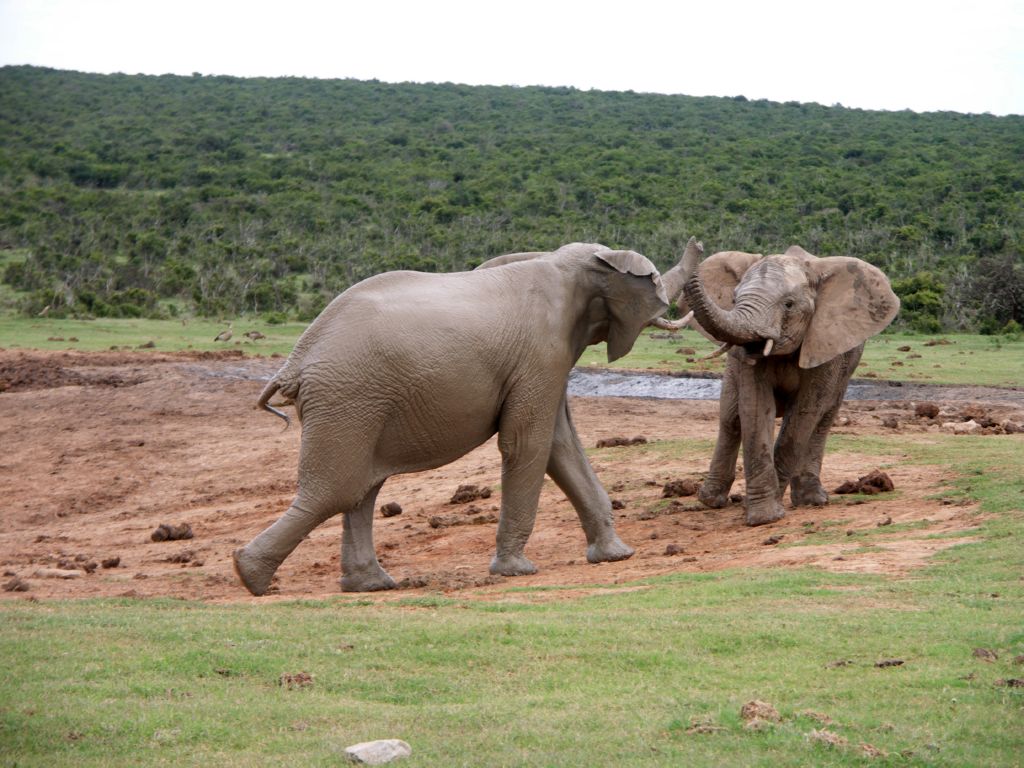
x: 757, y: 424
x: 569, y: 467
x: 524, y: 439
x: 714, y: 491
x: 360, y: 569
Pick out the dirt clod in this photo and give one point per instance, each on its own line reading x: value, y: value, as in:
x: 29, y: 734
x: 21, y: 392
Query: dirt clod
x: 618, y: 442
x: 885, y: 663
x: 985, y: 655
x: 926, y: 410
x: 391, y: 509
x: 1011, y: 682
x: 165, y: 532
x: 827, y: 737
x: 16, y: 585
x: 760, y: 710
x: 871, y: 751
x: 111, y: 562
x: 298, y: 680
x: 771, y: 540
x: 875, y: 481
x: 467, y: 493
x: 671, y: 550
x: 890, y: 422
x: 681, y: 487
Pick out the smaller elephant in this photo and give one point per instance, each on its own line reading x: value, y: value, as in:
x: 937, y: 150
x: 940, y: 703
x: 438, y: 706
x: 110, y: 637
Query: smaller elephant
x: 794, y: 326
x: 408, y: 371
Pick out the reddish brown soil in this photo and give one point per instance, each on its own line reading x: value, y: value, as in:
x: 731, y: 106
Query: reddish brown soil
x: 101, y: 449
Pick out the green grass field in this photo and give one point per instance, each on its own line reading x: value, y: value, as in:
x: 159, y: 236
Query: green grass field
x: 625, y: 677
x: 535, y: 679
x: 966, y: 359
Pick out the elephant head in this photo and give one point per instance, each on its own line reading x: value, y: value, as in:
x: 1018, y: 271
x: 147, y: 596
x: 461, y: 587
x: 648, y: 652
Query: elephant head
x: 628, y: 292
x: 779, y: 304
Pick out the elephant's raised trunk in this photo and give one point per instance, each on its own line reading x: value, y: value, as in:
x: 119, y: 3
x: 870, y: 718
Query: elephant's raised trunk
x: 727, y: 326
x: 676, y: 278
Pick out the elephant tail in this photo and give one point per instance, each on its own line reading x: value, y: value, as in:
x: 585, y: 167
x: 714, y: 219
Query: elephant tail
x: 273, y: 386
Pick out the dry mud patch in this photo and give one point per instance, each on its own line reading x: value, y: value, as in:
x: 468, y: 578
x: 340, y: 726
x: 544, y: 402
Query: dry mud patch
x: 99, y: 450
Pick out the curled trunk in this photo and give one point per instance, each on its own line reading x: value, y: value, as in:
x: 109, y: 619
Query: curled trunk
x: 725, y: 325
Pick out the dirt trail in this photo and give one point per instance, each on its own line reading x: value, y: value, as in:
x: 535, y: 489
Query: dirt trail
x: 100, y: 449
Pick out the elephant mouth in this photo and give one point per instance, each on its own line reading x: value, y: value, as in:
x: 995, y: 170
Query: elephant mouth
x: 766, y: 347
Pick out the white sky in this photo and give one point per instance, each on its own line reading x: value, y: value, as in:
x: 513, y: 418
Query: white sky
x: 965, y: 56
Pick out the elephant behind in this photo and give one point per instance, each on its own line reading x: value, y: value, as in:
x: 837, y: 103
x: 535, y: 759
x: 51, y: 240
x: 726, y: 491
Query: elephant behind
x: 408, y: 371
x: 794, y: 326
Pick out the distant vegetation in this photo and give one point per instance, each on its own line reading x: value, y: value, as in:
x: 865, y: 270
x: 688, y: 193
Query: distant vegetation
x: 126, y: 196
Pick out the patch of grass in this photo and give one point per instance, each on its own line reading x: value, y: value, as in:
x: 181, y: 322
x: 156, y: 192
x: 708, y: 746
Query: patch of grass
x: 166, y: 335
x: 613, y: 679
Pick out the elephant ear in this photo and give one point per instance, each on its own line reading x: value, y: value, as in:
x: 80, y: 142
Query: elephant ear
x: 633, y: 305
x: 854, y: 302
x: 720, y: 274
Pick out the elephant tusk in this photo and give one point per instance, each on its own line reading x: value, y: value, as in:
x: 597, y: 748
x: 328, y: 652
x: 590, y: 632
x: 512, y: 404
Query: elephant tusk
x: 720, y: 351
x: 768, y: 347
x: 686, y: 320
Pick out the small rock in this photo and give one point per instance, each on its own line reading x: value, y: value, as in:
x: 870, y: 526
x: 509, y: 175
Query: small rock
x: 686, y: 351
x: 736, y: 498
x: 759, y: 710
x: 772, y: 540
x: 838, y: 663
x: 378, y: 752
x: 926, y: 410
x: 618, y: 504
x: 147, y: 345
x: 890, y: 422
x: 985, y: 655
x: 673, y: 549
x: 1011, y: 682
x: 111, y: 562
x: 973, y: 412
x: 391, y: 509
x: 904, y: 348
x: 1011, y: 428
x: 681, y: 487
x: 883, y: 523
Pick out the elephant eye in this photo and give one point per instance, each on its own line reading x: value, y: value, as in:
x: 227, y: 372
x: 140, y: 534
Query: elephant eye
x: 788, y: 304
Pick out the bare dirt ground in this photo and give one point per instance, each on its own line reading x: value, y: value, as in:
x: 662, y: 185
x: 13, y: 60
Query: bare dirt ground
x: 100, y: 449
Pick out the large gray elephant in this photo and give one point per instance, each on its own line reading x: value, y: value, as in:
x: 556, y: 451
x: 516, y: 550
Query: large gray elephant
x: 407, y: 371
x: 794, y: 326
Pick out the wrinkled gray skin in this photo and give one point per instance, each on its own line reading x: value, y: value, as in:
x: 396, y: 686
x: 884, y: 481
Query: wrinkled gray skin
x: 408, y: 371
x: 798, y: 325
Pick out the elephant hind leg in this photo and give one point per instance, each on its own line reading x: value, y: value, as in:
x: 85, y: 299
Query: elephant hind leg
x: 360, y: 569
x: 256, y: 562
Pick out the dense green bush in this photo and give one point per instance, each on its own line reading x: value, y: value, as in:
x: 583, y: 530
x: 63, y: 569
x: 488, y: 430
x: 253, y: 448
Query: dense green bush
x: 272, y: 195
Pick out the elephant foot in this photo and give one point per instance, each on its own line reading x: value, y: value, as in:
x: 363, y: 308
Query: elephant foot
x: 713, y: 496
x: 805, y: 490
x: 764, y: 512
x: 372, y: 579
x: 512, y: 565
x: 609, y: 551
x: 254, y: 572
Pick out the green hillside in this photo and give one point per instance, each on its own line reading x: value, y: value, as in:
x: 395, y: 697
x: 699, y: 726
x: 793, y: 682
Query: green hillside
x: 137, y: 195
